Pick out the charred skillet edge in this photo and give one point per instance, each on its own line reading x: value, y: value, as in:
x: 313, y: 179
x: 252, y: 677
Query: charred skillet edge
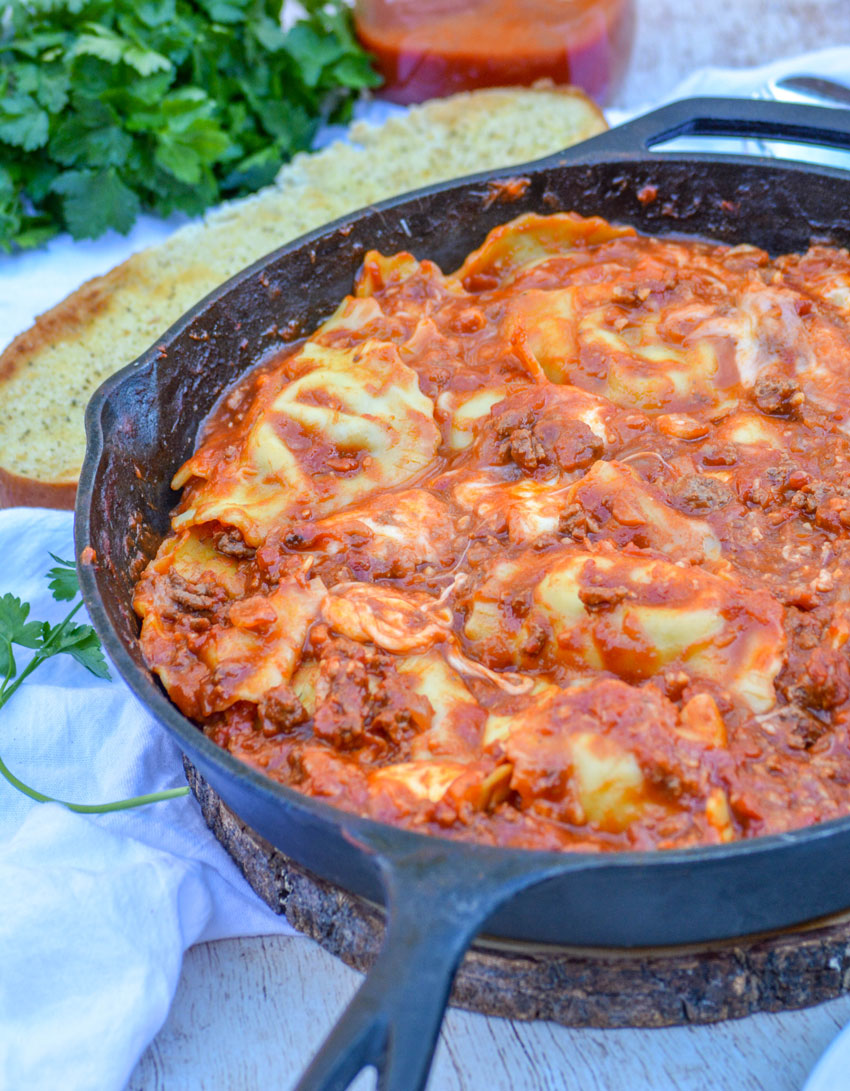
x: 251, y: 793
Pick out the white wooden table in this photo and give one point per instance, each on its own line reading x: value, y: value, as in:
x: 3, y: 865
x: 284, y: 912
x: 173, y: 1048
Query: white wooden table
x: 249, y: 1013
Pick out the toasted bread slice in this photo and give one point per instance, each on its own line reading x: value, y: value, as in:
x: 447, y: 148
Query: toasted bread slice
x: 50, y: 371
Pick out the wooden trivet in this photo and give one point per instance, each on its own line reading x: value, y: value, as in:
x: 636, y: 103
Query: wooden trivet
x: 576, y: 987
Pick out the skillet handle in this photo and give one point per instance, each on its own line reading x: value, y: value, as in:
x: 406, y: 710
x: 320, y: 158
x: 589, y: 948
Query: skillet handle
x: 761, y: 119
x: 394, y: 1020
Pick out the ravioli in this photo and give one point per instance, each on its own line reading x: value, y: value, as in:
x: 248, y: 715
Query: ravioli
x: 550, y: 552
x: 629, y: 614
x: 350, y: 422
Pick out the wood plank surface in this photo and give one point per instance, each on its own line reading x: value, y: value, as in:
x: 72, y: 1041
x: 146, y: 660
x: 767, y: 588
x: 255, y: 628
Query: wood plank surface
x: 248, y: 1013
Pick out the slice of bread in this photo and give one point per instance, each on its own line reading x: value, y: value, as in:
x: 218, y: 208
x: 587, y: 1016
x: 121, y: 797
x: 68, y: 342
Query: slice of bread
x: 50, y: 371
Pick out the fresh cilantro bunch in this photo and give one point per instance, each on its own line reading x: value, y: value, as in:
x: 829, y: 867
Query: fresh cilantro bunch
x: 108, y: 107
x: 46, y: 640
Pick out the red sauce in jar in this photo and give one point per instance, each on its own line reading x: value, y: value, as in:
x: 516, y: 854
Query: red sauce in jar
x: 429, y: 48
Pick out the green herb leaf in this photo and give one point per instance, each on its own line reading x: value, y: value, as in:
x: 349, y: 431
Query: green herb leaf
x: 80, y: 641
x: 103, y: 43
x: 64, y: 584
x: 8, y: 667
x: 354, y: 70
x: 313, y: 51
x: 225, y: 11
x: 14, y: 627
x: 91, y: 136
x: 23, y: 123
x: 35, y: 232
x: 94, y: 201
x: 49, y: 85
x: 98, y: 41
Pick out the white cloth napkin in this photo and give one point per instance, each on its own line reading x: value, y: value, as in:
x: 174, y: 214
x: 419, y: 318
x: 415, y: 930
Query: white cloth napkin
x: 95, y: 910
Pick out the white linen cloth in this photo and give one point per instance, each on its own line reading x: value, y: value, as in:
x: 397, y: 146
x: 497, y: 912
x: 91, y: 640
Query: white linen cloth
x: 96, y: 911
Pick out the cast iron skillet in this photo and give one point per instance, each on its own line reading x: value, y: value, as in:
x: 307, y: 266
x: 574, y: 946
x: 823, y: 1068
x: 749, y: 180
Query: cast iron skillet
x: 142, y: 425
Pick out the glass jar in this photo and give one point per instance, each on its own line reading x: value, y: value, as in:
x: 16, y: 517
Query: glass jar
x: 428, y: 48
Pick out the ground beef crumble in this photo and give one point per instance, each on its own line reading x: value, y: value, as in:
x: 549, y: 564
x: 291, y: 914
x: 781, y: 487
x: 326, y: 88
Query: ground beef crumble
x: 363, y: 703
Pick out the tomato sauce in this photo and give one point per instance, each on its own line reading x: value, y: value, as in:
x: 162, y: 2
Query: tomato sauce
x: 425, y: 50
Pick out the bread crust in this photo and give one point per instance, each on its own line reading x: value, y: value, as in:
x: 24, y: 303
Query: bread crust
x: 28, y: 492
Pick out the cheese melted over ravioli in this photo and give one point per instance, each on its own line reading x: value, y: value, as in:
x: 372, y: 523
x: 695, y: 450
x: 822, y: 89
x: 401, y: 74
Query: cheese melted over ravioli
x: 551, y: 552
x: 347, y: 422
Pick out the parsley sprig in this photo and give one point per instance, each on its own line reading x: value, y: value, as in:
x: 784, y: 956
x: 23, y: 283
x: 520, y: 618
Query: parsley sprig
x: 108, y: 107
x: 46, y: 640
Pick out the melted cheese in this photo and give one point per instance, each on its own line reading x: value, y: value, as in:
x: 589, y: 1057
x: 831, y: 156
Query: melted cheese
x: 524, y: 509
x: 389, y: 619
x: 397, y: 532
x: 424, y: 780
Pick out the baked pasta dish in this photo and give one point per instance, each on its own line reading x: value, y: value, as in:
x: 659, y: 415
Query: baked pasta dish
x: 551, y: 552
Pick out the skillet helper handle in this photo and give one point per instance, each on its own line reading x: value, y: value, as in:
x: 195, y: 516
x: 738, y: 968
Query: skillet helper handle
x: 394, y: 1020
x: 760, y: 119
